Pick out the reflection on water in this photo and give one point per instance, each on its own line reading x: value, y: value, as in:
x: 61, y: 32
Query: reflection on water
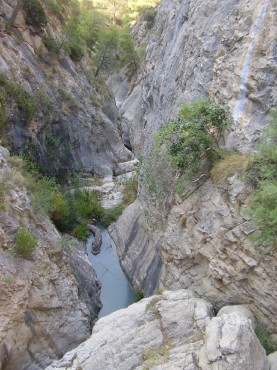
x: 116, y: 291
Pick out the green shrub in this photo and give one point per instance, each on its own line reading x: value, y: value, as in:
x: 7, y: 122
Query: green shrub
x: 139, y: 295
x: 130, y: 191
x: 3, y: 119
x: 264, y: 338
x: 67, y: 98
x: 19, y: 95
x: 111, y: 215
x: 51, y: 44
x: 25, y: 242
x: 81, y: 231
x: 75, y: 51
x: 149, y: 16
x: 54, y: 6
x: 264, y: 199
x: 156, y: 356
x: 35, y: 15
x: 78, y: 206
x: 190, y: 142
x: 87, y: 204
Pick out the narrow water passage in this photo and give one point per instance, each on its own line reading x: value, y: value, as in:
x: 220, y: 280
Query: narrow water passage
x: 116, y: 291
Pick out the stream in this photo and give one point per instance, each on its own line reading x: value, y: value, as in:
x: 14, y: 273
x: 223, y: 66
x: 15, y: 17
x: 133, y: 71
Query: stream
x: 116, y: 291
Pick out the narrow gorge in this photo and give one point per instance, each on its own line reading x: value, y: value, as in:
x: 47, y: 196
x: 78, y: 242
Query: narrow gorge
x: 155, y: 123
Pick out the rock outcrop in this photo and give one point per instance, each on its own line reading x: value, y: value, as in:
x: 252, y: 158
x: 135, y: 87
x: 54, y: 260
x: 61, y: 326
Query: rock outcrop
x: 193, y: 52
x: 74, y: 124
x: 202, y: 241
x: 171, y: 331
x: 50, y: 298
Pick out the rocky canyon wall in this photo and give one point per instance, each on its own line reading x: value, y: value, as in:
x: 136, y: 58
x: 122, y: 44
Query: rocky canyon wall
x: 74, y: 124
x: 199, y: 49
x: 48, y: 299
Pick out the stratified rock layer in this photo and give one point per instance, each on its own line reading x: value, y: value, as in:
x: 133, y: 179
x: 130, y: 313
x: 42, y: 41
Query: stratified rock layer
x: 170, y: 331
x: 202, y: 241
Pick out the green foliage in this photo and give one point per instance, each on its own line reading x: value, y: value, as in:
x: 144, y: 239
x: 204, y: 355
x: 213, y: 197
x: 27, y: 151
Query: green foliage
x: 149, y: 16
x: 128, y: 53
x: 87, y: 204
x: 264, y: 338
x: 19, y: 95
x: 138, y: 295
x: 51, y: 44
x: 3, y: 118
x: 106, y: 50
x: 79, y: 206
x: 75, y: 51
x: 45, y: 190
x: 25, y: 242
x: 67, y: 98
x: 130, y: 191
x: 264, y: 198
x: 156, y: 356
x: 54, y: 6
x: 90, y: 24
x: 66, y: 209
x: 35, y: 15
x: 112, y: 215
x: 158, y: 174
x: 191, y: 141
x: 81, y: 231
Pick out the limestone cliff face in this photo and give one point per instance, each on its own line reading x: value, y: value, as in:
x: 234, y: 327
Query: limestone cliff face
x: 224, y: 50
x: 198, y: 49
x: 170, y: 331
x: 46, y: 306
x: 69, y: 130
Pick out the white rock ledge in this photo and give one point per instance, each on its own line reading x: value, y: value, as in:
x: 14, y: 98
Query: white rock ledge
x: 169, y: 331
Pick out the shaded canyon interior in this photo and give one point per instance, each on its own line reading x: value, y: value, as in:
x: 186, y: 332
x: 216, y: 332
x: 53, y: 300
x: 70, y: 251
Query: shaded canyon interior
x: 208, y: 287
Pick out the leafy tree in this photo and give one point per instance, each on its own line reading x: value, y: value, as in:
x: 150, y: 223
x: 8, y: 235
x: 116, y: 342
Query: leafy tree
x: 128, y: 53
x: 106, y: 51
x: 114, y: 8
x: 35, y: 15
x: 91, y: 23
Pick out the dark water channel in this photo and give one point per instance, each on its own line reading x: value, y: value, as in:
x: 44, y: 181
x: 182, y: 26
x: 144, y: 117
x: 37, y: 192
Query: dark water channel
x: 116, y: 291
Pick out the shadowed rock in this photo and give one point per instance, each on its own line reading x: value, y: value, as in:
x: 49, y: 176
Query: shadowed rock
x: 96, y: 248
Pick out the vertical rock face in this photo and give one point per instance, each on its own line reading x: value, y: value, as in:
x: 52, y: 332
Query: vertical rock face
x: 44, y: 309
x: 197, y: 50
x: 200, y: 49
x: 170, y: 331
x: 74, y: 124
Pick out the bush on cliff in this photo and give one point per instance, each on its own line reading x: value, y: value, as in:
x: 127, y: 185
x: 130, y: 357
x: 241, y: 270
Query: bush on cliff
x: 191, y: 140
x: 35, y: 15
x: 264, y: 198
x: 25, y: 242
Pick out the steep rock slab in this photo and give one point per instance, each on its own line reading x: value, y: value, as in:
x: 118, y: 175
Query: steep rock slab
x: 44, y: 309
x: 193, y: 52
x: 74, y: 126
x: 202, y: 242
x: 170, y: 331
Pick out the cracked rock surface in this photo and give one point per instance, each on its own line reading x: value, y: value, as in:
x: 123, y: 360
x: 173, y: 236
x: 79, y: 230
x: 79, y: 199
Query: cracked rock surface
x: 174, y: 330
